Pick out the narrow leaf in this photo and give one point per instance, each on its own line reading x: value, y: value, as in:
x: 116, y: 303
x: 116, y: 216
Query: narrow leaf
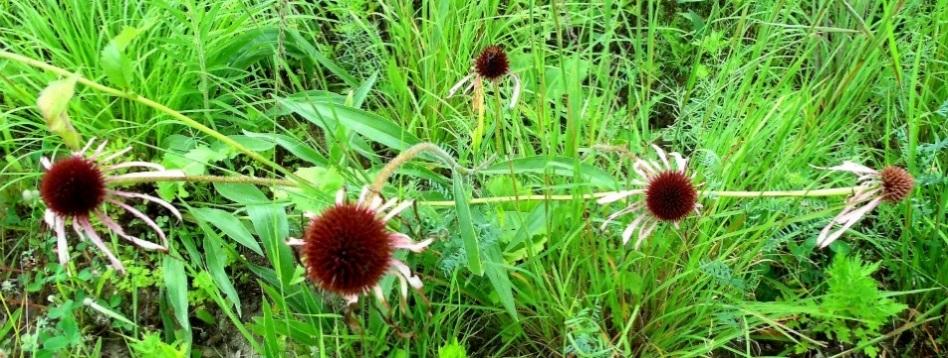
x: 176, y: 289
x: 230, y: 225
x: 466, y: 226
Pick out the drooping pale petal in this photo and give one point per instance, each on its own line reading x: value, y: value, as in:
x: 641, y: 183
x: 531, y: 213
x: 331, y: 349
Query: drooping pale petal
x: 148, y: 221
x: 644, y: 165
x: 117, y: 229
x: 680, y: 161
x: 86, y: 147
x: 375, y: 203
x: 294, y: 242
x: 150, y: 198
x: 49, y: 217
x: 362, y: 194
x: 662, y: 156
x: 379, y: 295
x: 115, y: 155
x: 341, y: 196
x: 848, y: 220
x: 62, y: 247
x: 851, y: 167
x: 98, y: 151
x: 388, y: 204
x: 645, y: 232
x: 171, y: 174
x: 457, y: 86
x: 90, y: 233
x: 626, y: 210
x: 629, y: 230
x: 397, y: 210
x: 402, y: 241
x: 135, y: 164
x: 516, y: 91
x: 44, y: 161
x: 616, y: 196
x: 413, y: 281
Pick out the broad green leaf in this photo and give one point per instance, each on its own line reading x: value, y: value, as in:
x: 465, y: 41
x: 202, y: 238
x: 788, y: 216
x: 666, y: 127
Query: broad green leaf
x: 245, y: 194
x: 214, y: 256
x: 292, y: 145
x: 53, y: 102
x: 176, y: 289
x: 359, y: 96
x: 91, y: 303
x: 258, y: 44
x: 252, y: 143
x: 466, y: 226
x: 271, y: 224
x: 497, y: 274
x: 230, y: 225
x: 557, y: 165
x: 117, y: 66
x: 370, y: 125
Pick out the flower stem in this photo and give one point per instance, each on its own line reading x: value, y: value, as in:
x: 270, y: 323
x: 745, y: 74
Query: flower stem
x: 154, y: 105
x: 238, y: 179
x: 719, y: 194
x: 408, y: 155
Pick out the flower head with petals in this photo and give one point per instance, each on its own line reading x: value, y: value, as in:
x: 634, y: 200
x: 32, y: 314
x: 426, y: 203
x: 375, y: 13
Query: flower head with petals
x: 348, y: 248
x: 76, y: 189
x: 490, y: 65
x: 891, y: 184
x: 667, y: 194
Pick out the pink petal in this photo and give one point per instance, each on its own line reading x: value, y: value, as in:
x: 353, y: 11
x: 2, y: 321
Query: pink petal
x: 341, y: 196
x: 148, y: 221
x: 848, y: 220
x: 457, y: 86
x: 150, y: 198
x: 645, y: 232
x: 147, y: 245
x: 629, y: 230
x: 135, y: 164
x: 661, y: 154
x: 402, y: 241
x: 516, y: 90
x: 397, y: 210
x: 92, y: 236
x: 62, y: 247
x: 628, y: 209
x: 616, y: 196
x: 116, y: 155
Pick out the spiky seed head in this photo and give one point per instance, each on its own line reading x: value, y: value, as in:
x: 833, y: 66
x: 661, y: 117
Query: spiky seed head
x: 897, y: 183
x: 492, y: 63
x: 73, y: 186
x: 670, y: 196
x: 347, y: 249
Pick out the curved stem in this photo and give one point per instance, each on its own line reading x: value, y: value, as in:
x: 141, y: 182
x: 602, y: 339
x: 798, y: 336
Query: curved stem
x: 710, y: 193
x: 239, y: 179
x: 408, y: 155
x: 154, y: 105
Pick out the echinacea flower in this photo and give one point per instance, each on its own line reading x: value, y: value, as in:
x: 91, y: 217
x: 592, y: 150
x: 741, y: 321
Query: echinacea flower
x: 348, y: 248
x: 669, y: 196
x: 491, y: 65
x: 891, y: 184
x: 76, y: 189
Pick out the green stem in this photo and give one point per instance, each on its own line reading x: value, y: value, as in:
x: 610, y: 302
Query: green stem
x: 408, y: 155
x: 239, y: 179
x: 155, y: 105
x: 431, y: 148
x: 720, y: 194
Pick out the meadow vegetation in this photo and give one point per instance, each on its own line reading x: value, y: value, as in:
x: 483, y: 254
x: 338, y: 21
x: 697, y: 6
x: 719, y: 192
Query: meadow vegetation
x: 268, y: 108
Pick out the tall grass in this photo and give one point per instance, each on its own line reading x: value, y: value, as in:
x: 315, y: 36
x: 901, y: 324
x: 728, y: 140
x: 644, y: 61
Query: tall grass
x: 758, y: 94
